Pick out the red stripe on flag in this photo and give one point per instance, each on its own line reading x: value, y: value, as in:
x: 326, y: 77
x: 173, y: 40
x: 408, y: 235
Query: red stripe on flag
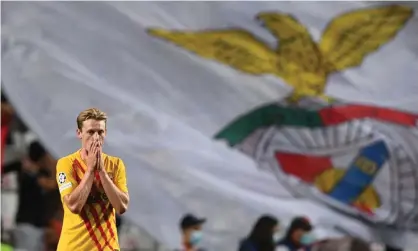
x: 305, y: 167
x: 94, y: 212
x: 340, y: 114
x: 84, y: 216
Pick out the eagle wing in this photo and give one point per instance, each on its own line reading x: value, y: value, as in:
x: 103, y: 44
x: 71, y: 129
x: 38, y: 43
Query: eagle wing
x: 234, y: 47
x: 295, y: 44
x: 352, y: 36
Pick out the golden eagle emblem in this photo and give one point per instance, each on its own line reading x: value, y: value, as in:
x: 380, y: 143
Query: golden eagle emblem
x: 298, y: 59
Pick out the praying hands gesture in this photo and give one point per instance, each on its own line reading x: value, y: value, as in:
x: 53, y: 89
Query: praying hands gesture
x: 93, y: 156
x: 99, y: 160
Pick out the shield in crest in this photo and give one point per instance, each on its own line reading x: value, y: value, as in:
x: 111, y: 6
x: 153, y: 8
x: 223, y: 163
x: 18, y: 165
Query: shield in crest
x: 353, y: 158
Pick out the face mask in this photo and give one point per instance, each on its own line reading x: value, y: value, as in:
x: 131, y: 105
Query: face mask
x: 307, y: 239
x: 196, y: 237
x: 276, y: 237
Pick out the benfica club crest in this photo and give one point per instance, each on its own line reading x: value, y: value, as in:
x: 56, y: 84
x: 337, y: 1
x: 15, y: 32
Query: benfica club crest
x: 358, y: 159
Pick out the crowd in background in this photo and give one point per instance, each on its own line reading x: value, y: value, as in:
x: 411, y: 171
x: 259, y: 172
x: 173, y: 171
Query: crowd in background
x: 33, y: 218
x: 266, y: 235
x: 32, y: 210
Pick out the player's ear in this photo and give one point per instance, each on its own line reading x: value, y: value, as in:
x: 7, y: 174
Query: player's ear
x: 78, y: 132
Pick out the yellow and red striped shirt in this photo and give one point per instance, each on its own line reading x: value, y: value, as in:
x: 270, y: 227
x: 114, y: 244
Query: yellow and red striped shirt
x: 95, y: 227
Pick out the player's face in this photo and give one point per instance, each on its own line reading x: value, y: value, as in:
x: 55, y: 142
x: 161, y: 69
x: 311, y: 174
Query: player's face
x: 92, y: 130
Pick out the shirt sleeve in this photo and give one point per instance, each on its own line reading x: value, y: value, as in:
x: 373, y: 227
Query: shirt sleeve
x: 120, y: 180
x: 65, y: 178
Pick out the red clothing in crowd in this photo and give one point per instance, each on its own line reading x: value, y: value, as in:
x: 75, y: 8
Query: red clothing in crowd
x: 4, y: 133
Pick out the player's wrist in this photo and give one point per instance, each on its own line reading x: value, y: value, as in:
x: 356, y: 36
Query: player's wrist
x: 90, y: 171
x: 102, y: 172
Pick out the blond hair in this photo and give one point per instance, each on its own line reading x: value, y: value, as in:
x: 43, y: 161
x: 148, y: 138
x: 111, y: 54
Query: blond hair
x: 91, y: 113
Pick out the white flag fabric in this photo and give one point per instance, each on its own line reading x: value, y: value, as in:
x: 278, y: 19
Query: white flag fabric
x: 233, y: 109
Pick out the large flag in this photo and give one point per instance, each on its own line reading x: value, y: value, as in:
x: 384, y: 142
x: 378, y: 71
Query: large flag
x: 233, y: 109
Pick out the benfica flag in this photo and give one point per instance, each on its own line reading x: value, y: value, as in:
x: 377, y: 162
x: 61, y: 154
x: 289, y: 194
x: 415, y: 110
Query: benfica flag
x: 322, y: 97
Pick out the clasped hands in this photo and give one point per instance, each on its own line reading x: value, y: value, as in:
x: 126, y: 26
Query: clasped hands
x: 94, y: 157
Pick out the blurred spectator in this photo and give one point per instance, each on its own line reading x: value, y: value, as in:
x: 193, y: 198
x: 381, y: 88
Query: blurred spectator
x: 191, y: 230
x: 53, y: 230
x: 263, y: 236
x: 46, y: 180
x: 38, y: 197
x: 118, y: 222
x: 11, y: 154
x: 7, y: 110
x: 6, y: 117
x: 298, y: 235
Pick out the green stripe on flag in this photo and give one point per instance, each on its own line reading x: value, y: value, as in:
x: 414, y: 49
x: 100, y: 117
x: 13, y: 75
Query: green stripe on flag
x: 265, y: 116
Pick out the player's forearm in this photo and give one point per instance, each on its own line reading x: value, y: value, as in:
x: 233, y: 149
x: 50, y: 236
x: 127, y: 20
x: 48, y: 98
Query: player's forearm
x: 78, y: 197
x: 117, y: 198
